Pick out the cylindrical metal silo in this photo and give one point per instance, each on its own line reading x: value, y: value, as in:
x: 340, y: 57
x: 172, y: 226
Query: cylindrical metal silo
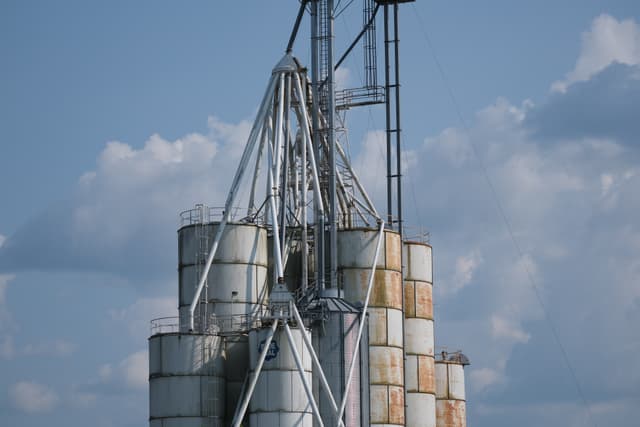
x: 186, y: 380
x: 279, y: 398
x: 356, y: 250
x: 236, y: 288
x: 236, y: 283
x: 418, y: 335
x: 450, y: 390
x: 334, y: 334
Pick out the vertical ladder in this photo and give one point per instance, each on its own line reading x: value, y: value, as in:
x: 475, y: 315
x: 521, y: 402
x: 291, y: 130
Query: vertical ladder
x: 202, y: 242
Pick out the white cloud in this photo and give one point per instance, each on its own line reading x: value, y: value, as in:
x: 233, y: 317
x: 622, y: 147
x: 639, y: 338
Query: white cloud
x: 465, y: 267
x: 483, y: 378
x: 608, y: 41
x: 123, y: 214
x: 505, y: 328
x: 32, y: 397
x: 131, y: 373
x: 136, y: 317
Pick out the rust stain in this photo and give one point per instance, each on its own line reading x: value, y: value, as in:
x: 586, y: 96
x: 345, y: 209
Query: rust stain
x: 409, y: 299
x: 424, y: 300
x: 396, y: 405
x: 387, y: 288
x: 377, y: 326
x: 426, y: 374
x: 385, y: 366
x: 379, y: 404
x: 392, y: 251
x: 451, y: 413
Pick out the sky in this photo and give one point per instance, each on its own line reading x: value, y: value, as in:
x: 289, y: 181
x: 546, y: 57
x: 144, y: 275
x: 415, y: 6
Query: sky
x: 520, y: 124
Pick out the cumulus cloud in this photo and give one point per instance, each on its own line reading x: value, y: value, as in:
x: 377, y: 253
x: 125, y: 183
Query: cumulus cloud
x: 122, y: 216
x: 32, y: 397
x: 135, y: 318
x: 130, y: 373
x: 464, y: 269
x: 609, y: 40
x: 533, y: 217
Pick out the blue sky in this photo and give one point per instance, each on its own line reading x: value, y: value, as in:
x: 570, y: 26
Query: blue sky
x: 117, y: 115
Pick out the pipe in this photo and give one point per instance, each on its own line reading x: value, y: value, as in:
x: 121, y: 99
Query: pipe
x: 296, y: 25
x: 277, y: 251
x: 256, y: 173
x: 364, y: 311
x: 320, y: 372
x: 312, y: 159
x: 231, y: 197
x: 252, y: 385
x: 305, y: 383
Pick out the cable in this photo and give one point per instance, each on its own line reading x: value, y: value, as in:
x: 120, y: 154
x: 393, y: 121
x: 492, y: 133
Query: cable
x: 505, y: 219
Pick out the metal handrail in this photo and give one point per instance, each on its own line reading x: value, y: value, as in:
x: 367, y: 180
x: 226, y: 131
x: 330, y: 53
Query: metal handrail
x: 203, y: 214
x: 165, y: 325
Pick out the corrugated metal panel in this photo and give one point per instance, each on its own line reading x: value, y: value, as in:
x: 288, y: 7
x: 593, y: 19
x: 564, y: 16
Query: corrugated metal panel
x: 186, y: 378
x: 334, y: 340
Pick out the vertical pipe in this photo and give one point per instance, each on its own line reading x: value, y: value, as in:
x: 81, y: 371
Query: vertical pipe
x: 331, y: 111
x: 315, y: 119
x: 387, y: 104
x: 398, y: 127
x: 303, y: 198
x: 252, y: 385
x: 396, y: 74
x: 285, y: 168
x: 277, y: 249
x: 277, y: 143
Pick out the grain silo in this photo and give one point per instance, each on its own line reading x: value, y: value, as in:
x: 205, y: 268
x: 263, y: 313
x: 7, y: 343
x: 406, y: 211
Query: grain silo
x: 299, y: 303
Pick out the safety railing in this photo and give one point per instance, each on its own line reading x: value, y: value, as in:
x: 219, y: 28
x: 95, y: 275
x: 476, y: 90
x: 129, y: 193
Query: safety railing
x: 165, y: 325
x: 203, y: 214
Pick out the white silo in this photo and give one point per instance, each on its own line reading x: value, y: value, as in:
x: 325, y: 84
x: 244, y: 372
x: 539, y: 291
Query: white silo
x: 450, y: 390
x: 418, y: 334
x: 186, y: 380
x: 356, y: 252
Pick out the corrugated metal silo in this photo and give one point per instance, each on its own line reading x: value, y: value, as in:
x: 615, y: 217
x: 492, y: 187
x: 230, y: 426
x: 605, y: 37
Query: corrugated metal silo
x: 236, y: 291
x: 418, y: 335
x: 334, y: 335
x: 356, y: 250
x: 450, y: 390
x: 186, y: 380
x: 279, y: 398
